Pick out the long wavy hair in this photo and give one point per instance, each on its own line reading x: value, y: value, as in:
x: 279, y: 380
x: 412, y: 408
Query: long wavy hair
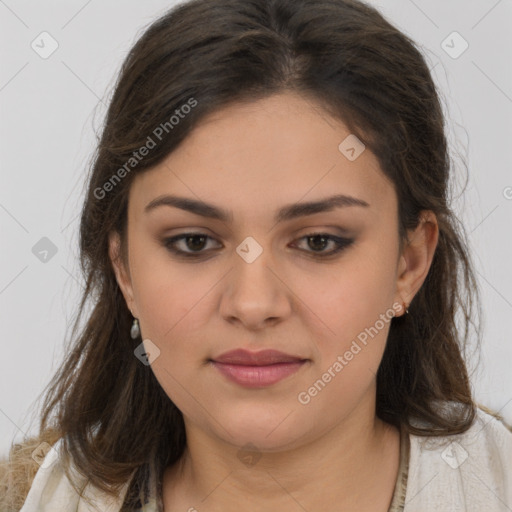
x: 343, y: 55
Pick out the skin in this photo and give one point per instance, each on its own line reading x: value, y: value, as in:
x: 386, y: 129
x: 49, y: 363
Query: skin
x: 332, y: 453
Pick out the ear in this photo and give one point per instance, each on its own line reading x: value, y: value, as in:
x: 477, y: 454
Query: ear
x: 416, y: 257
x: 122, y: 274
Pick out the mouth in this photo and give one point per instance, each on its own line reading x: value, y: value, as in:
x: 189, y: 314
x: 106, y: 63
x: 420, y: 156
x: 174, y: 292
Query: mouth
x: 257, y: 369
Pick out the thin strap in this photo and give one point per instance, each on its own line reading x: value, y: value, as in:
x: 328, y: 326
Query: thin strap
x: 398, y: 501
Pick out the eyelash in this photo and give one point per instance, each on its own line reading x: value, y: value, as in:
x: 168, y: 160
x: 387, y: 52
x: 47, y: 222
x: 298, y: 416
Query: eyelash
x: 342, y: 243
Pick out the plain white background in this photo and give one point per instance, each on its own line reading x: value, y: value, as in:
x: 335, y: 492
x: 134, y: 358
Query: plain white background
x: 48, y: 121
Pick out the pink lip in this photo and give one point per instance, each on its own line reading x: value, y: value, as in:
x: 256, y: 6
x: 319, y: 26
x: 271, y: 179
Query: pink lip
x: 257, y: 369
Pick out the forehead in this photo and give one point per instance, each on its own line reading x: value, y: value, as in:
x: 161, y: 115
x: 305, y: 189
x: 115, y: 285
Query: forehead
x: 273, y: 151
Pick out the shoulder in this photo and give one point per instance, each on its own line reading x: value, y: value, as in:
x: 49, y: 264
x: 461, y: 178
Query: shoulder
x: 52, y: 489
x: 485, y: 411
x: 19, y: 468
x: 470, y: 471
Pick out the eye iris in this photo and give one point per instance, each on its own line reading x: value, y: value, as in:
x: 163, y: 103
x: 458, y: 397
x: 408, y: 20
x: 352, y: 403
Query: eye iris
x: 316, y: 238
x: 196, y: 237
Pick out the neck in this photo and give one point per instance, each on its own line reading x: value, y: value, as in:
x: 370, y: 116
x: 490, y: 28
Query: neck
x: 353, y: 466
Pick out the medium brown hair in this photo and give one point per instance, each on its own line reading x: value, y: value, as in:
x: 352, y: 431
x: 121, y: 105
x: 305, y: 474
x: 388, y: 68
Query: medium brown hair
x: 345, y: 57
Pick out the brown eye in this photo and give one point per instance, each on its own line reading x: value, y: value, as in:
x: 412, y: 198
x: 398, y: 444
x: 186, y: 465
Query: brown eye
x: 319, y: 241
x: 192, y: 246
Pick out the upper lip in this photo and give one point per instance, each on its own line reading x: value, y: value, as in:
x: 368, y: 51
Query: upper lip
x: 261, y: 358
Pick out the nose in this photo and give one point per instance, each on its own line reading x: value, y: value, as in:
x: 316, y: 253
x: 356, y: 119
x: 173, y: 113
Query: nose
x: 255, y: 293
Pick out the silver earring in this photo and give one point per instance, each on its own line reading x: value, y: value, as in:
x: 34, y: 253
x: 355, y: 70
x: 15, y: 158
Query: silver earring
x: 135, y: 330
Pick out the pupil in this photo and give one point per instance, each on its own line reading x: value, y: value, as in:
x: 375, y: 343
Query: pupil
x: 318, y: 237
x: 196, y: 237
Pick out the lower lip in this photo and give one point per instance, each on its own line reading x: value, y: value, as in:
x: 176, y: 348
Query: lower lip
x: 257, y: 376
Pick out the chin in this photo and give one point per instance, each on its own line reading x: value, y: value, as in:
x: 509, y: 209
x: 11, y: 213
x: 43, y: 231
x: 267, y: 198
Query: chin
x: 264, y: 432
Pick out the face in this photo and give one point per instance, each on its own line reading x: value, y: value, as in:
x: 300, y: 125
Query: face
x: 318, y: 284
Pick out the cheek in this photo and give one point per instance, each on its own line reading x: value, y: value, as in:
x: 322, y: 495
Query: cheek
x: 352, y: 295
x: 354, y: 303
x: 172, y: 301
x: 357, y: 308
x: 170, y: 295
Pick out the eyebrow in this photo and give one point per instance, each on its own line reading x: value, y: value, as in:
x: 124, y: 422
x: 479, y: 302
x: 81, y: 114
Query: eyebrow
x: 285, y: 213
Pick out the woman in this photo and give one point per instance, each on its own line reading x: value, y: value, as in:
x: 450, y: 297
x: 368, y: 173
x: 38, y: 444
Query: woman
x: 276, y: 269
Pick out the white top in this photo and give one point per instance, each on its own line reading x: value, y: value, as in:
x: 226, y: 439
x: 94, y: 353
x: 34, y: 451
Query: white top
x: 469, y: 472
